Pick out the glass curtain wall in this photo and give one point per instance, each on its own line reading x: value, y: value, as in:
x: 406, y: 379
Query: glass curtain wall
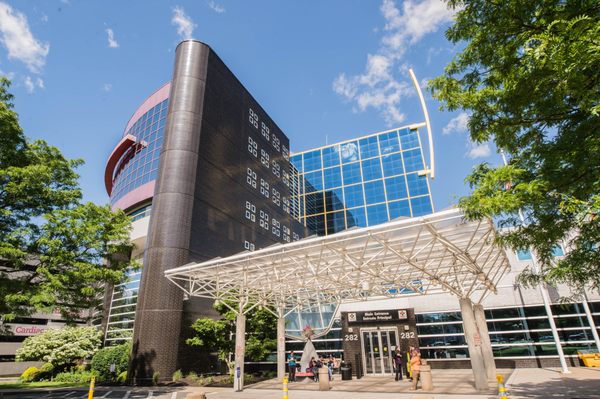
x: 362, y: 182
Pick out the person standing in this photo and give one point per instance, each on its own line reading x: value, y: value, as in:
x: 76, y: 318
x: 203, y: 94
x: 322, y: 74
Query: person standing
x: 330, y: 364
x: 398, y: 364
x: 415, y: 367
x: 292, y: 367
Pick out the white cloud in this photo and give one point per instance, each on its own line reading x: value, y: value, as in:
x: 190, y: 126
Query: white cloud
x: 185, y: 26
x: 478, y: 150
x: 458, y: 124
x: 377, y: 87
x: 219, y: 9
x: 31, y: 84
x: 44, y: 18
x: 19, y: 41
x: 107, y: 87
x: 112, y: 42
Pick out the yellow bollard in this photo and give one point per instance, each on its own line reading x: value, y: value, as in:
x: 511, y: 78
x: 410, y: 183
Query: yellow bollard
x: 285, y: 388
x: 91, y: 393
x: 502, y: 394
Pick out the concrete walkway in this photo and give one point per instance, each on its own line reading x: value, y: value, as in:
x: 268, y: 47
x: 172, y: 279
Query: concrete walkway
x: 450, y: 382
x: 581, y: 383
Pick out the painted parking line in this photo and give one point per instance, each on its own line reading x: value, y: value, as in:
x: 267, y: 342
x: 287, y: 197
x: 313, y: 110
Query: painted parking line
x: 126, y: 395
x: 106, y: 394
x: 174, y: 395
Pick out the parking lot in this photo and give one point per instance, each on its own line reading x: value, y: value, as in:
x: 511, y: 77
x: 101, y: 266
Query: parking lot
x: 100, y: 393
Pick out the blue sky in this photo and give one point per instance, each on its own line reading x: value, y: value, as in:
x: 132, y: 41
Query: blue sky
x: 325, y: 71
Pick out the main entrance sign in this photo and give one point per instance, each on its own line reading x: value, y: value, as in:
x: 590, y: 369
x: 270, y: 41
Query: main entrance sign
x: 377, y: 316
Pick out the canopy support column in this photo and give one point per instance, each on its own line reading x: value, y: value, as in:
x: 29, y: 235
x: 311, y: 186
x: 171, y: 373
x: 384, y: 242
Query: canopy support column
x: 280, y: 344
x: 240, y: 349
x: 473, y: 339
x: 486, y: 344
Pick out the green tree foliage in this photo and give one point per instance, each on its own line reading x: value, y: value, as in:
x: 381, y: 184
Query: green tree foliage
x: 61, y: 347
x: 216, y: 335
x: 117, y: 355
x: 52, y: 247
x: 529, y: 77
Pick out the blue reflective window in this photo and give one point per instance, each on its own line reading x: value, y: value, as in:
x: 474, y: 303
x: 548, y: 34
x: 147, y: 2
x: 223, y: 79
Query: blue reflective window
x: 369, y: 147
x: 399, y: 209
x: 353, y: 196
x: 356, y: 217
x: 413, y: 161
x: 374, y: 192
x: 316, y: 224
x: 332, y: 177
x: 336, y: 222
x: 313, y: 181
x: 331, y: 156
x: 392, y: 164
x: 409, y: 139
x: 334, y: 200
x: 417, y: 185
x: 349, y: 152
x: 524, y: 255
x: 371, y: 169
x: 312, y: 161
x: 395, y: 188
x: 421, y: 206
x: 296, y: 160
x: 377, y: 214
x: 351, y: 173
x: 388, y: 142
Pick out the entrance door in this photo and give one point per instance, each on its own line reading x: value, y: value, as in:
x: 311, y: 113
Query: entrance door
x: 377, y: 350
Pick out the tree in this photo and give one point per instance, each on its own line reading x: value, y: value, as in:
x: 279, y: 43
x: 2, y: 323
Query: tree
x: 61, y: 347
x: 215, y: 335
x: 53, y: 248
x: 529, y: 76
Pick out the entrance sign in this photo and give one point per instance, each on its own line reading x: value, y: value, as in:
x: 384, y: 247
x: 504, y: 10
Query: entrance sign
x: 377, y: 315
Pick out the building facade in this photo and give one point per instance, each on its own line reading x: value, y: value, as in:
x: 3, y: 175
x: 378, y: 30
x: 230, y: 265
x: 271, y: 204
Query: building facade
x: 204, y: 172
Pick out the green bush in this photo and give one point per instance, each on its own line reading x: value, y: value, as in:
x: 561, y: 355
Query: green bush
x: 192, y: 376
x: 74, y: 377
x: 177, y: 375
x: 155, y: 377
x: 117, y: 355
x: 31, y: 374
x: 46, y: 372
x: 122, y: 377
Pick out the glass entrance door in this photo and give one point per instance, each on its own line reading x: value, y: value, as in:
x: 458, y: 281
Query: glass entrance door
x: 377, y: 350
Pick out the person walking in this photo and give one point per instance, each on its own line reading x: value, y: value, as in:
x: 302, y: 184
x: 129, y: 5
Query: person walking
x: 415, y: 367
x: 292, y: 367
x: 330, y: 364
x: 398, y: 364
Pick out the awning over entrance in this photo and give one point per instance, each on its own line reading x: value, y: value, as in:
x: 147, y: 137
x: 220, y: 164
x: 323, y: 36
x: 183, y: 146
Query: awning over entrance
x: 441, y: 251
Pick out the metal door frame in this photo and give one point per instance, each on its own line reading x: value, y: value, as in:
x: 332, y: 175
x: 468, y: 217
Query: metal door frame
x: 378, y: 330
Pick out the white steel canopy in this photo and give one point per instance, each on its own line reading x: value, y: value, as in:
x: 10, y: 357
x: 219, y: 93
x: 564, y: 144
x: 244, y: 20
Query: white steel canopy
x: 441, y: 251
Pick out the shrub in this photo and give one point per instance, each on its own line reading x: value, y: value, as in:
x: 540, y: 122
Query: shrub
x: 62, y: 347
x: 155, y: 377
x: 177, y: 375
x: 46, y: 371
x: 122, y: 377
x: 192, y: 376
x: 75, y: 377
x: 30, y: 374
x: 117, y: 355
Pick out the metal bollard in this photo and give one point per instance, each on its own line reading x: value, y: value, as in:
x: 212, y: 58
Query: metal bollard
x: 285, y: 388
x: 502, y: 394
x: 91, y: 392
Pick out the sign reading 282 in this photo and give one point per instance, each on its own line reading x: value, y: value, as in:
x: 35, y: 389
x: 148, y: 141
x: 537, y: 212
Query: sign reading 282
x: 407, y: 335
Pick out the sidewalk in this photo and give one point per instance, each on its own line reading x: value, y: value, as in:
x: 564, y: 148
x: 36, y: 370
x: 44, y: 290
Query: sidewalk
x: 582, y: 382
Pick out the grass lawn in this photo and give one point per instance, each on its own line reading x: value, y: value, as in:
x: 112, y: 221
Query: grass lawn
x: 39, y: 384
